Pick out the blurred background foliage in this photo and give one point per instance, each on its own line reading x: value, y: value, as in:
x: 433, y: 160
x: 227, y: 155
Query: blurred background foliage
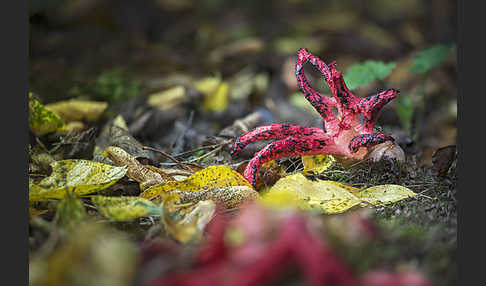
x: 118, y: 50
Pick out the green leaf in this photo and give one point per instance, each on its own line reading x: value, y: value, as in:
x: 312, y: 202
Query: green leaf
x: 404, y: 108
x: 80, y: 176
x: 365, y: 73
x: 431, y: 57
x: 114, y: 85
x: 125, y: 208
x: 41, y: 120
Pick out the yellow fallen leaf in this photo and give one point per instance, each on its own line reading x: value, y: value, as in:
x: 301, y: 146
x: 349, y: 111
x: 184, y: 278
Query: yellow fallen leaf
x: 218, y: 183
x: 208, y: 178
x: 42, y: 120
x: 208, y: 85
x: 316, y: 195
x: 125, y: 208
x: 317, y: 163
x: 281, y: 200
x: 216, y: 95
x: 350, y: 189
x: 384, y: 194
x: 226, y: 197
x: 80, y: 176
x: 329, y: 197
x: 169, y: 98
x: 186, y: 222
x: 72, y: 127
x: 218, y: 100
x: 78, y: 110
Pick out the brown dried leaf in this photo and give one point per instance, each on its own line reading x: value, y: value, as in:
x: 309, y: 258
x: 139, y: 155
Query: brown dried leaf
x: 147, y: 177
x: 443, y: 158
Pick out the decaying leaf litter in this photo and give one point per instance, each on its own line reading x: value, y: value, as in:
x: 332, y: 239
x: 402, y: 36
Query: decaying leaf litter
x: 162, y: 204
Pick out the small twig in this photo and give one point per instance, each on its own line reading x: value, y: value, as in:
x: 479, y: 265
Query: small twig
x: 420, y: 185
x: 426, y: 190
x: 296, y: 164
x: 357, y: 163
x: 361, y: 184
x: 238, y: 163
x: 202, y: 148
x: 90, y: 206
x: 420, y: 194
x: 205, y: 155
x: 167, y: 156
x: 37, y: 175
x: 42, y: 145
x: 337, y: 171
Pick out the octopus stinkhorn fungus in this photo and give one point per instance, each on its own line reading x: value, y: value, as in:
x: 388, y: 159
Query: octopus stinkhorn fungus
x: 344, y: 134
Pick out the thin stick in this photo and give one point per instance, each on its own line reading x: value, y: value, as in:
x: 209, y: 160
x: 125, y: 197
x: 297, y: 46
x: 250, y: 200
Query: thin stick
x: 167, y: 156
x: 238, y: 163
x: 420, y: 194
x: 205, y: 155
x: 202, y: 148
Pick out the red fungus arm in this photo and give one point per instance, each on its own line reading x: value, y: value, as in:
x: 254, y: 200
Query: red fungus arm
x: 321, y: 103
x: 368, y: 140
x: 371, y: 105
x: 290, y: 146
x: 274, y: 131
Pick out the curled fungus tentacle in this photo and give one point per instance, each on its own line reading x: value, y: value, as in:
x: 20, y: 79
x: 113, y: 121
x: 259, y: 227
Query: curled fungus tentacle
x: 344, y: 135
